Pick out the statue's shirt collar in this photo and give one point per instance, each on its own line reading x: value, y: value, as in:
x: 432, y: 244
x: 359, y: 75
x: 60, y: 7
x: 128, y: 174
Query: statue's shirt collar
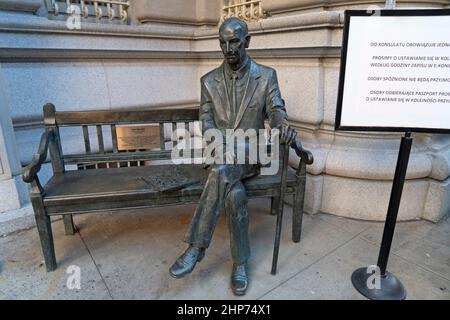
x: 240, y: 73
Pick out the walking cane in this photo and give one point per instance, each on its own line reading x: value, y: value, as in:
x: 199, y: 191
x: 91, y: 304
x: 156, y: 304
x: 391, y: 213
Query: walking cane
x: 280, y: 208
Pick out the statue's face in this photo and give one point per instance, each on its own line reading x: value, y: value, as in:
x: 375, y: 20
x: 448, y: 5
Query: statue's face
x: 233, y: 44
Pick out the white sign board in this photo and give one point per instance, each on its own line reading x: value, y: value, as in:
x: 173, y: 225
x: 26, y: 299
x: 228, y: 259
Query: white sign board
x: 395, y: 71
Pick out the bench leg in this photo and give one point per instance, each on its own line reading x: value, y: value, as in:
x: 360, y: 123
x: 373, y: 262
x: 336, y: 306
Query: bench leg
x: 297, y: 217
x: 44, y: 227
x: 297, y: 210
x: 69, y: 227
x: 274, y: 205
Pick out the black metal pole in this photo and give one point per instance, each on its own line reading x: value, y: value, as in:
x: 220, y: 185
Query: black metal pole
x: 388, y: 287
x: 394, y: 202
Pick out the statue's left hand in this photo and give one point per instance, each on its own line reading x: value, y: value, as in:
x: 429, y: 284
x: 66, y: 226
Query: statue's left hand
x: 287, y: 134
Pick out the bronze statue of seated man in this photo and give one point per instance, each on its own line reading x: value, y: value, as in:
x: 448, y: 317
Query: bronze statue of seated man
x: 240, y: 94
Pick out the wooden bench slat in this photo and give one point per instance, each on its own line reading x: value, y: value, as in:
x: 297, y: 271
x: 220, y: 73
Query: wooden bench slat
x: 114, y: 138
x: 189, y: 136
x: 101, y: 144
x: 162, y: 140
x: 104, y: 117
x: 174, y: 138
x: 121, y: 156
x: 87, y: 143
x: 60, y: 208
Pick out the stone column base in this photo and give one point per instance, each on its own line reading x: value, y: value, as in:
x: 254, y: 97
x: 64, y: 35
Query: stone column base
x: 14, y: 194
x: 369, y: 199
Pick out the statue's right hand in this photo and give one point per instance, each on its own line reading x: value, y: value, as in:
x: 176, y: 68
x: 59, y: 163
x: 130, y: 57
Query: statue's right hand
x: 229, y: 157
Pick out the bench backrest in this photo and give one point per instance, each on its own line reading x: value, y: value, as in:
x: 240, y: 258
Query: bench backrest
x: 107, y: 121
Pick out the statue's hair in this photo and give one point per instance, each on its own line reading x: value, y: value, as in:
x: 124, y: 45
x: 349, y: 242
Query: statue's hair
x: 235, y: 21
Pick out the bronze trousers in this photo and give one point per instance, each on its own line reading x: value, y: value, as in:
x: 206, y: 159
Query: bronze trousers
x: 223, y: 188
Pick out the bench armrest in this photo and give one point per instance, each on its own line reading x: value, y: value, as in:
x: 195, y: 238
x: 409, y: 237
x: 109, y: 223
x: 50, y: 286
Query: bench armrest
x: 29, y: 174
x: 304, y: 154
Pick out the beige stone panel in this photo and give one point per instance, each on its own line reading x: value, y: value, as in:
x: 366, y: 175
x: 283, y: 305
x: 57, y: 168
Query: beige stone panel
x: 373, y: 157
x: 194, y: 12
x: 320, y: 155
x: 9, y: 196
x: 291, y: 39
x: 13, y: 193
x: 300, y: 83
x: 373, y: 165
x: 138, y: 83
x: 276, y: 40
x: 22, y: 5
x: 336, y: 37
x: 437, y: 204
x: 368, y: 200
x: 441, y: 165
x: 274, y: 6
x: 439, y: 147
x: 319, y: 144
x: 313, y: 194
x: 369, y: 157
x: 297, y: 22
x: 330, y: 92
x: 401, y: 4
x: 302, y: 30
x: 70, y: 86
x: 9, y: 156
x: 282, y: 5
x: 210, y: 44
x: 322, y: 18
x: 208, y: 11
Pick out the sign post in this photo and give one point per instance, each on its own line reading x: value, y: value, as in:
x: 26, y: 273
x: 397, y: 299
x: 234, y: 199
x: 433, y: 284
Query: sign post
x: 389, y: 286
x: 394, y: 78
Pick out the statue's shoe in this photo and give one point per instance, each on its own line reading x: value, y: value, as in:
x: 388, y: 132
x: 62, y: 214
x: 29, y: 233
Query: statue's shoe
x: 239, y: 279
x: 186, y: 262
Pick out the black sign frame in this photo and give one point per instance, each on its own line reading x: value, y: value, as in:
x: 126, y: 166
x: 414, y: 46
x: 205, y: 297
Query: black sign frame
x: 386, y: 13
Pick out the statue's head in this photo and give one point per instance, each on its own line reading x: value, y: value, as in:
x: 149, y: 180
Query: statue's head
x: 234, y: 40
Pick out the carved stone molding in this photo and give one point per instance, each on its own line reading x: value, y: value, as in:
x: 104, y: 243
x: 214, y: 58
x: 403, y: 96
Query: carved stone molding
x: 248, y: 10
x: 192, y: 12
x: 280, y: 6
x: 108, y: 10
x: 53, y: 55
x: 22, y: 5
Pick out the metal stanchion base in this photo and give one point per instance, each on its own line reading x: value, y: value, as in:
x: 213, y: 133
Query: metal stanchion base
x: 390, y: 287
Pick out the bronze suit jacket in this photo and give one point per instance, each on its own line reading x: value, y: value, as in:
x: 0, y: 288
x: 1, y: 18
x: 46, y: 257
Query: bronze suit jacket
x: 261, y: 100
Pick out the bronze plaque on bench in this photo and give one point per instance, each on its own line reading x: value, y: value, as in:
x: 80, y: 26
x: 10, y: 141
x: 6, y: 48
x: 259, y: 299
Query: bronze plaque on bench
x: 135, y: 137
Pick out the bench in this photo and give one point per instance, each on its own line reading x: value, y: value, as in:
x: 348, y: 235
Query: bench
x: 110, y: 185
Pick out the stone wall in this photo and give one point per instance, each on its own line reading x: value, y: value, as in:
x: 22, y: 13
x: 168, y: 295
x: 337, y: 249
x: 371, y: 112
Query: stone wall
x: 158, y: 58
x: 191, y: 12
x: 23, y: 5
x: 13, y: 192
x: 284, y: 6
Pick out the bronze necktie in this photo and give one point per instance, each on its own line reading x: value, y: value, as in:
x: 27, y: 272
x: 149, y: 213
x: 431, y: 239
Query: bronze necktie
x: 234, y: 107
